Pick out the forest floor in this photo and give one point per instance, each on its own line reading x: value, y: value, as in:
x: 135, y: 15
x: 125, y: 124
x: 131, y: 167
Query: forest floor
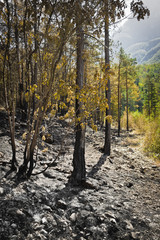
x: 121, y: 202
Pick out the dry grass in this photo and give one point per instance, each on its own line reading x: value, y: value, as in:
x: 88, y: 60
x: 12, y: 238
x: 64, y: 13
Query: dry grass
x: 147, y: 133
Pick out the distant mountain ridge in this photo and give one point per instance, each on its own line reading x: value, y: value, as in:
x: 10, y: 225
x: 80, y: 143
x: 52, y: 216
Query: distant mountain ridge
x: 146, y: 52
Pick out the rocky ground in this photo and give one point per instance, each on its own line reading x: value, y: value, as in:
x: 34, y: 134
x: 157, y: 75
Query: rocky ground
x: 121, y: 202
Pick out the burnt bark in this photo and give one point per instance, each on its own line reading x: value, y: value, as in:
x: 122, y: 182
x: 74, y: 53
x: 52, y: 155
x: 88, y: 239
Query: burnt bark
x: 9, y: 89
x: 107, y: 145
x: 79, y: 172
x: 119, y: 100
x: 127, y: 108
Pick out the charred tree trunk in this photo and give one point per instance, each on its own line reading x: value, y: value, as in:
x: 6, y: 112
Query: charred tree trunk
x: 79, y: 172
x: 107, y: 145
x: 35, y: 51
x: 20, y: 89
x: 119, y: 101
x: 127, y: 112
x: 9, y: 88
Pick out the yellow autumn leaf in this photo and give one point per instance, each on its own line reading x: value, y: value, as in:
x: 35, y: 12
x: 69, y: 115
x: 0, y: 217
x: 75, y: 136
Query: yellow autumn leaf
x: 24, y: 136
x: 45, y: 150
x: 109, y: 118
x: 66, y: 115
x: 94, y: 127
x: 82, y: 125
x: 37, y: 96
x: 27, y: 96
x: 61, y: 118
x: 43, y: 138
x: 53, y: 112
x: 43, y: 128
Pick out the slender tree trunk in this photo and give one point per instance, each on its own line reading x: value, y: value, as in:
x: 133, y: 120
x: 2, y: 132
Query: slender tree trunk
x: 107, y: 145
x: 119, y: 101
x: 79, y: 172
x: 10, y: 91
x: 127, y: 112
x: 35, y: 51
x: 20, y: 90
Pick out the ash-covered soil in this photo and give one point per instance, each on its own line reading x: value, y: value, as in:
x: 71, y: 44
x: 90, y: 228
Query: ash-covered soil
x: 120, y: 202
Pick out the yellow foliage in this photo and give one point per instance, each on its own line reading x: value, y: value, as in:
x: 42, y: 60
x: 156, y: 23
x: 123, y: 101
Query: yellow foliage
x: 66, y: 115
x: 37, y: 96
x: 53, y: 113
x: 45, y: 150
x: 56, y: 96
x: 83, y: 125
x: 61, y: 118
x: 24, y: 136
x: 43, y: 138
x: 62, y: 105
x: 35, y: 57
x: 94, y: 127
x: 27, y: 96
x: 43, y: 128
x: 109, y: 118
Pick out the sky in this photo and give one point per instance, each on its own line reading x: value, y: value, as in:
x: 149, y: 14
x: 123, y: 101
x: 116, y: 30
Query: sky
x: 133, y: 31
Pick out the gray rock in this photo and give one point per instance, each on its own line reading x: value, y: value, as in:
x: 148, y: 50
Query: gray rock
x: 19, y: 212
x: 1, y: 154
x: 130, y: 150
x: 135, y: 235
x: 61, y: 204
x: 73, y: 217
x: 1, y: 191
x: 129, y: 225
x: 44, y: 220
x: 37, y: 218
x: 45, y: 207
x: 13, y: 225
x: 129, y: 184
x: 90, y: 221
x: 154, y: 166
x: 84, y: 213
x: 44, y: 232
x: 110, y: 214
x: 14, y: 237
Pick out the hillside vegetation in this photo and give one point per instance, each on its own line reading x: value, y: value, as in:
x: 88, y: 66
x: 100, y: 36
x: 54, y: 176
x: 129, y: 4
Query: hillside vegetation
x: 146, y: 52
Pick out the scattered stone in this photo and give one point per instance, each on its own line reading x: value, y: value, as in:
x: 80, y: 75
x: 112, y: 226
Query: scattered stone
x: 154, y: 166
x: 61, y: 204
x: 1, y: 154
x: 135, y: 235
x: 48, y: 174
x: 37, y: 218
x: 73, y: 217
x: 45, y: 208
x: 112, y: 229
x: 44, y: 220
x: 131, y: 150
x: 13, y: 225
x: 19, y: 212
x: 110, y: 214
x: 142, y: 170
x: 49, y: 138
x: 129, y: 225
x: 132, y: 166
x: 90, y: 221
x: 129, y: 184
x: 1, y: 191
x: 44, y: 232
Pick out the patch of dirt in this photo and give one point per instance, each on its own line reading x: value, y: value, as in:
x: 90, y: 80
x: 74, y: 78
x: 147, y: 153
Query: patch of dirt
x: 121, y: 200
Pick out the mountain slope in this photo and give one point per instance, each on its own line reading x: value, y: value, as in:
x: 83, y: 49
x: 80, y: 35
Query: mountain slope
x: 146, y: 52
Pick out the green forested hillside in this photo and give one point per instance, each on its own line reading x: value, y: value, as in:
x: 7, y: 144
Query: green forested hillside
x: 146, y: 52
